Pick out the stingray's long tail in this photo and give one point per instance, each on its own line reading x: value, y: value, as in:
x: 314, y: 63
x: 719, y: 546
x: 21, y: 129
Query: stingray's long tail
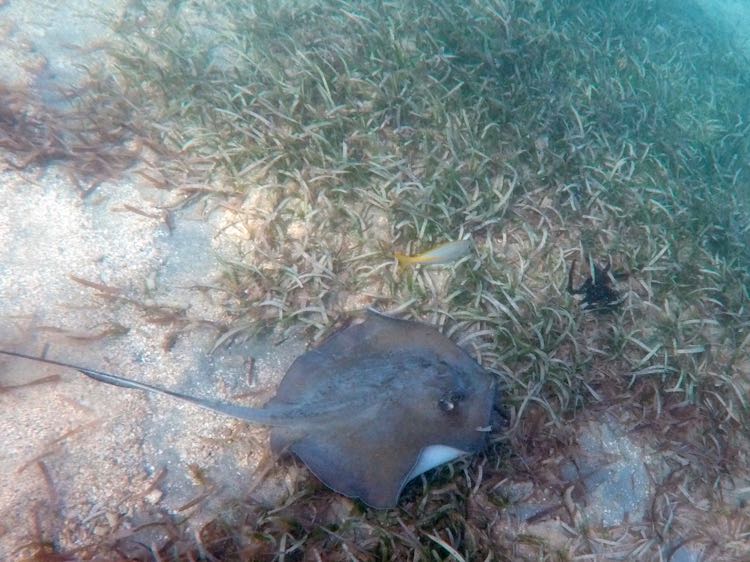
x: 253, y: 415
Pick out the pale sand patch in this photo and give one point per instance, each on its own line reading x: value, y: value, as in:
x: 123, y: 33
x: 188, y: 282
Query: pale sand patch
x: 102, y: 446
x: 81, y: 461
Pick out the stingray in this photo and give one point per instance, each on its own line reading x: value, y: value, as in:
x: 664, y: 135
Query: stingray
x: 375, y: 405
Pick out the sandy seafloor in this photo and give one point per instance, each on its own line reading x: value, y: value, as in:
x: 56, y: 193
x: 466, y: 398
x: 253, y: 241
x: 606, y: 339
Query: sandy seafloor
x: 79, y: 459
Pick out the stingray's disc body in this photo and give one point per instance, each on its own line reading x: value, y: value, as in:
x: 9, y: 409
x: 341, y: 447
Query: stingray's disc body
x: 417, y: 400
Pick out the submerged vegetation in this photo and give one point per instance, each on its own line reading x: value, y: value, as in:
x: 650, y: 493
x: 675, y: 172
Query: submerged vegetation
x: 340, y: 132
x: 94, y: 146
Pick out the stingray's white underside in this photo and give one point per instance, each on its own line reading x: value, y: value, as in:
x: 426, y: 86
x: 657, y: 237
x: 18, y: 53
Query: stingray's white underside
x: 433, y: 456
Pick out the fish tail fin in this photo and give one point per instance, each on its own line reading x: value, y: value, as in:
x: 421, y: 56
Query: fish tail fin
x: 404, y: 260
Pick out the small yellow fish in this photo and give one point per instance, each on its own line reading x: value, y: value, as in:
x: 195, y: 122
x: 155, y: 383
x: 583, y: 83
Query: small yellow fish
x: 444, y: 253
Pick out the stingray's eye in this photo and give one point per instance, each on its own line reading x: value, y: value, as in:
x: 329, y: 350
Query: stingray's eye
x: 449, y: 402
x: 446, y: 405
